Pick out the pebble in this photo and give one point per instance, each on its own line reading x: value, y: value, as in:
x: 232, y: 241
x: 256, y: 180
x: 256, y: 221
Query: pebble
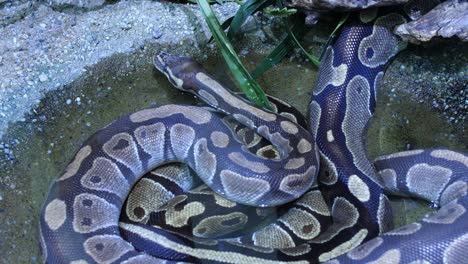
x: 157, y: 33
x: 43, y: 77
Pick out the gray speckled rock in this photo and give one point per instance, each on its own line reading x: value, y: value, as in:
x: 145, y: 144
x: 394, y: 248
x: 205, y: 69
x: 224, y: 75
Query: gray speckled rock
x: 446, y: 20
x: 12, y: 11
x: 78, y: 3
x: 340, y: 4
x: 47, y: 48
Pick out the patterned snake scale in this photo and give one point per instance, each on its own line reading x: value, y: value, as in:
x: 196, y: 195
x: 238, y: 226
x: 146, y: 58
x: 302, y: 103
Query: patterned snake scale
x: 342, y: 215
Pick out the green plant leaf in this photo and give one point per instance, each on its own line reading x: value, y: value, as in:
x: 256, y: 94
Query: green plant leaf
x: 274, y: 57
x: 224, y: 26
x: 245, y: 10
x: 248, y: 84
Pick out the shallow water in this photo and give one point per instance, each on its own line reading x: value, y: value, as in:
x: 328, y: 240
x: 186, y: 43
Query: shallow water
x: 40, y: 147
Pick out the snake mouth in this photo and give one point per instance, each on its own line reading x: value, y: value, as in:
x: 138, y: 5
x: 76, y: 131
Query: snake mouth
x: 166, y: 64
x: 162, y: 61
x: 178, y: 70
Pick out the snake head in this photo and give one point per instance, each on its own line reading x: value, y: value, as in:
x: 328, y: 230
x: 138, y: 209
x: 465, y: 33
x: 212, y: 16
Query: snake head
x: 179, y: 70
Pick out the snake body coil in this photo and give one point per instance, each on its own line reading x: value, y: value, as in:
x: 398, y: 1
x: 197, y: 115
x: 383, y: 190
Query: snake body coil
x: 80, y: 219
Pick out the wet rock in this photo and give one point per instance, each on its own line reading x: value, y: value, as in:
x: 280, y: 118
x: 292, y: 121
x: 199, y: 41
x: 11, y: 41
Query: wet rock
x: 446, y: 20
x: 340, y: 4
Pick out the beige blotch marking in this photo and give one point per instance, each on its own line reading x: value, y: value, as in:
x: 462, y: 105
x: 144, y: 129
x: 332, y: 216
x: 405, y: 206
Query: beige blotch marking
x: 456, y: 251
x: 73, y: 167
x: 391, y: 256
x: 223, y: 201
x: 55, y: 214
x: 296, y: 251
x: 448, y: 214
x: 244, y: 120
x: 237, y: 242
x: 147, y: 196
x: 345, y: 247
x: 450, y: 155
x: 207, y: 97
x: 454, y: 191
x: 80, y: 261
x: 304, y: 146
x: 142, y: 259
x: 105, y: 175
x: 242, y: 161
x: 231, y: 99
x: 405, y: 230
x: 273, y: 236
x: 219, y: 139
x: 365, y: 249
x: 220, y: 256
x: 179, y: 218
x: 314, y: 201
x: 358, y: 188
x: 205, y: 161
x: 195, y: 114
x: 182, y: 137
x: 151, y: 139
x: 330, y: 137
x: 302, y: 223
x: 106, y: 248
x: 127, y: 154
x: 388, y: 177
x: 401, y: 154
x: 294, y: 163
x: 251, y: 190
x: 420, y: 261
x: 330, y: 74
x: 298, y: 183
x: 289, y: 127
x: 91, y: 213
x: 214, y: 226
x: 427, y: 181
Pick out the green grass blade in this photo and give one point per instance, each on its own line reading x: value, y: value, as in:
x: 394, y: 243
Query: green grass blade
x: 248, y: 85
x: 224, y: 25
x: 245, y: 10
x: 274, y: 57
x: 313, y: 59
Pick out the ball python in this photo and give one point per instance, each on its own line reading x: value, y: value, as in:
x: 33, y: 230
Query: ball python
x: 344, y: 217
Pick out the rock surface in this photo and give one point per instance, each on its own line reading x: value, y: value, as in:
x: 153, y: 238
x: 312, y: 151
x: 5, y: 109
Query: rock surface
x: 446, y: 20
x: 44, y: 47
x: 340, y: 4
